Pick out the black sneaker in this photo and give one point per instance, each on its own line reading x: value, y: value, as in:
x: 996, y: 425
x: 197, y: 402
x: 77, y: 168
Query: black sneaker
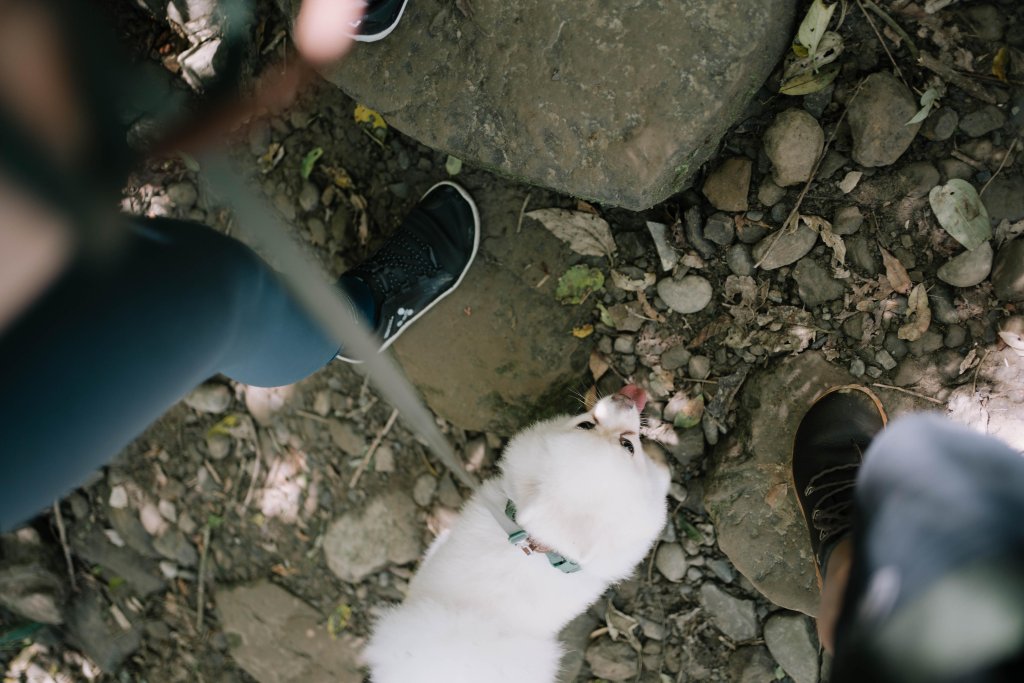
x: 422, y: 262
x: 378, y: 20
x: 827, y: 453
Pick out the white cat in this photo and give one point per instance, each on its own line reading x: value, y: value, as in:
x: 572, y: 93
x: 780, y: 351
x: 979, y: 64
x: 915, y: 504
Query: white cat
x: 578, y: 504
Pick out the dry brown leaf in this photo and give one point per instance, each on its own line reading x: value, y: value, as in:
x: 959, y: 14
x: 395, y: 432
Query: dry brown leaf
x: 598, y: 365
x: 895, y: 273
x: 832, y: 240
x: 628, y: 284
x: 585, y: 233
x: 919, y: 315
x: 649, y: 310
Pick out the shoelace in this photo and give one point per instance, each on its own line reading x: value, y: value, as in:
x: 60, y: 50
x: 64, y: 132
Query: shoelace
x: 830, y: 519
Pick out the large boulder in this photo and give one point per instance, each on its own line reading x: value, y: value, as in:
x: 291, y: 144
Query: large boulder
x: 749, y: 493
x: 498, y: 352
x: 615, y: 102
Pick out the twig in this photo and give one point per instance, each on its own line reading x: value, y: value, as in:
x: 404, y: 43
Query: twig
x: 314, y: 416
x: 908, y: 392
x: 977, y: 369
x: 373, y: 448
x: 959, y: 80
x: 973, y: 163
x: 63, y: 535
x: 893, y: 25
x: 522, y: 212
x: 257, y: 456
x: 885, y: 47
x: 795, y: 213
x: 701, y: 381
x: 201, y: 596
x: 1009, y: 153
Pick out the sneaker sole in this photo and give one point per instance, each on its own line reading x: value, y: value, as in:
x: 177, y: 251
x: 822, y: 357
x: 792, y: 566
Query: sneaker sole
x: 374, y: 37
x: 472, y: 257
x: 792, y: 480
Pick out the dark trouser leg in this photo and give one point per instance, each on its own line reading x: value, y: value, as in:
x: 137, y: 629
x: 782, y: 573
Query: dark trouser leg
x: 107, y: 350
x: 937, y: 587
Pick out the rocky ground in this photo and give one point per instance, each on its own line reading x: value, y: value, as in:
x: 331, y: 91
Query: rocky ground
x: 240, y: 539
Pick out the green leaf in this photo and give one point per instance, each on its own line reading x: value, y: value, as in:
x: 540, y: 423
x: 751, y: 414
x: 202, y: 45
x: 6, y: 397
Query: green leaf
x: 453, y: 165
x: 309, y: 161
x: 928, y: 99
x: 606, y: 317
x: 578, y: 283
x: 812, y: 28
x: 960, y: 212
x: 214, y: 521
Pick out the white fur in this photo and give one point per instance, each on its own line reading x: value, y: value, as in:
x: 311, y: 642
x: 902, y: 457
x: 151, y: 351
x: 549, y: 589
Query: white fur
x: 481, y: 611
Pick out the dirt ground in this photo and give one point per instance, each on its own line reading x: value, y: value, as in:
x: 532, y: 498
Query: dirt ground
x: 237, y: 484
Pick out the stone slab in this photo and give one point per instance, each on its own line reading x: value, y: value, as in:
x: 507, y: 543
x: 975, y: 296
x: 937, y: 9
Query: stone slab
x: 617, y: 102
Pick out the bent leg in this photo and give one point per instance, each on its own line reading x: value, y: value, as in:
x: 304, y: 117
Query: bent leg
x: 112, y: 346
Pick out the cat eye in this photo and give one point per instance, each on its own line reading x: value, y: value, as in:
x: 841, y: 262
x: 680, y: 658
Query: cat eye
x: 627, y: 444
x: 585, y: 425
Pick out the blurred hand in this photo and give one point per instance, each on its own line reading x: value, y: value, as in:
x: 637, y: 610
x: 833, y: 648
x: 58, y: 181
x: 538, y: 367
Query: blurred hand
x: 322, y: 29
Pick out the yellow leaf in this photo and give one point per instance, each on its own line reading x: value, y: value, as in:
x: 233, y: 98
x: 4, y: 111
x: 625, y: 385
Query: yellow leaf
x: 225, y: 426
x: 583, y: 331
x: 368, y: 116
x: 999, y: 63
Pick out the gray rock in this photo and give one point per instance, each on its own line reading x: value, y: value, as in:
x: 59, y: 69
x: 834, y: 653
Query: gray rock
x: 690, y: 446
x: 885, y: 359
x: 748, y: 490
x: 360, y: 543
x: 832, y: 162
x: 309, y: 196
x: 141, y: 574
x: 749, y: 232
x: 1008, y: 271
x: 732, y: 616
x: 863, y: 254
x: 955, y: 337
x: 277, y: 638
x: 209, y: 398
x: 917, y: 179
x: 175, y: 547
x: 783, y: 248
x: 627, y: 317
x: 612, y: 660
x: 685, y: 295
x: 987, y: 22
x: 983, y: 121
x: 1004, y: 198
x: 675, y: 357
x: 91, y: 629
x: 629, y: 136
x: 853, y: 327
x: 483, y: 378
x: 847, y: 220
x: 423, y: 490
x: 671, y: 561
x: 857, y: 367
x: 346, y: 438
x: 768, y: 193
x: 285, y: 206
x: 940, y: 299
x: 929, y: 341
x: 878, y: 117
x: 739, y: 260
x: 727, y: 186
x: 941, y: 124
x: 447, y: 494
x: 815, y: 284
x: 969, y: 268
x: 751, y: 664
x: 793, y: 143
x: 183, y: 195
x: 694, y: 228
x: 720, y: 229
x: 788, y: 637
x: 699, y: 367
x: 954, y: 168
